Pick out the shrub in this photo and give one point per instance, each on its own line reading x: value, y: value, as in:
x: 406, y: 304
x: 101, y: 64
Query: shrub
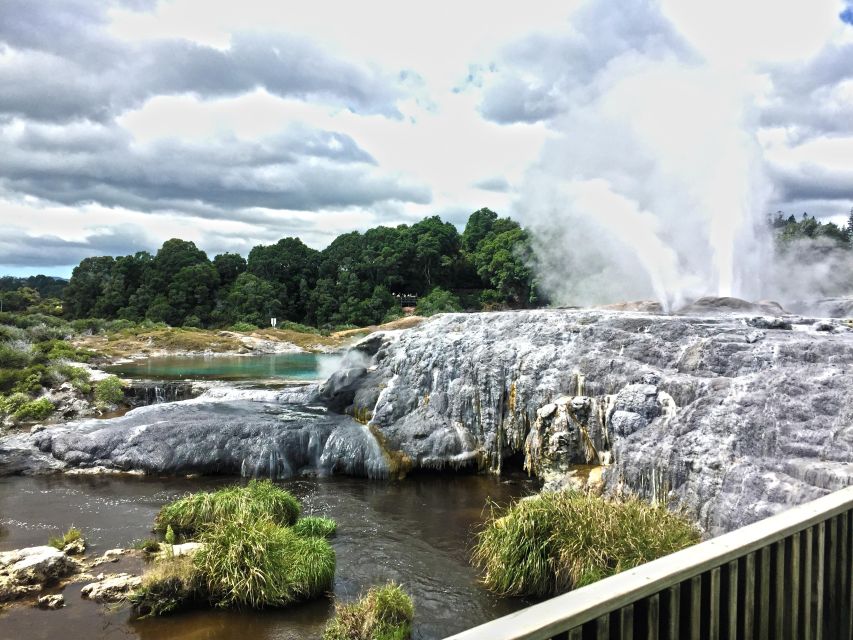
x: 77, y: 376
x: 13, y: 358
x: 192, y: 322
x: 243, y: 326
x: 34, y: 410
x: 385, y: 613
x: 259, y: 499
x: 71, y: 535
x: 109, y: 391
x: 246, y: 561
x: 170, y: 585
x: 437, y: 301
x: 31, y: 380
x: 315, y: 527
x: 10, y: 404
x: 555, y: 542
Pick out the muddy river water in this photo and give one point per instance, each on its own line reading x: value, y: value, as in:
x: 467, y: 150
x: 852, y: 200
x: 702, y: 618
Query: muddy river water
x: 417, y: 532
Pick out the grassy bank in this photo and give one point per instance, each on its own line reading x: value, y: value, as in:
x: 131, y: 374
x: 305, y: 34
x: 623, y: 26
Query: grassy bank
x: 555, y: 542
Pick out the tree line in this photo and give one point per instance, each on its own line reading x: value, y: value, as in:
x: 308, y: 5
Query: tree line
x: 357, y: 280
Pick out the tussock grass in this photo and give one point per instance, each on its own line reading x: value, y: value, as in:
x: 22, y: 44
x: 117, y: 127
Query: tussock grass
x: 385, y: 613
x: 250, y: 562
x: 315, y: 527
x: 260, y: 499
x: 170, y: 585
x: 58, y: 542
x: 555, y: 542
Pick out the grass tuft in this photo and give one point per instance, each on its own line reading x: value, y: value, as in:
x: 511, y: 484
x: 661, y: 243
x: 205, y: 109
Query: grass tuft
x: 170, y: 585
x: 315, y: 527
x: 385, y: 613
x: 258, y: 499
x: 58, y: 542
x: 555, y: 542
x: 247, y: 562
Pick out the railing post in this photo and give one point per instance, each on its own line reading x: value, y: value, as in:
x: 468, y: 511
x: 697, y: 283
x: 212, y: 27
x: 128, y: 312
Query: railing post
x: 819, y: 574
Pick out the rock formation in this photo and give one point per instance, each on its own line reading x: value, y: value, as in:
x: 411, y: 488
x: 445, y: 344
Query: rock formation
x: 729, y: 415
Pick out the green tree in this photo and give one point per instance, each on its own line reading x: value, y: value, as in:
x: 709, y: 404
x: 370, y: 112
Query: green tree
x: 86, y: 286
x: 250, y: 299
x: 437, y: 301
x: 229, y: 266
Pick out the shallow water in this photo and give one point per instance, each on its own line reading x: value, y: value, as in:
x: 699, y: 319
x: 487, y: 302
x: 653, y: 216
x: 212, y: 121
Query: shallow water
x: 279, y: 366
x: 417, y: 532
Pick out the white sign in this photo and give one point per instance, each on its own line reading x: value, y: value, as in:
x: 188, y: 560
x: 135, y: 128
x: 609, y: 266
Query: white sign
x: 273, y: 322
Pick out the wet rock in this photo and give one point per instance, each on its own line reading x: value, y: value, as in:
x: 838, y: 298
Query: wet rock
x: 824, y: 325
x: 111, y: 588
x: 769, y: 322
x: 110, y: 555
x: 36, y: 565
x: 56, y: 601
x: 187, y: 548
x: 75, y: 547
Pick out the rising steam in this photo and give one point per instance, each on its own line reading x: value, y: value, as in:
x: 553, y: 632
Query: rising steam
x: 653, y: 185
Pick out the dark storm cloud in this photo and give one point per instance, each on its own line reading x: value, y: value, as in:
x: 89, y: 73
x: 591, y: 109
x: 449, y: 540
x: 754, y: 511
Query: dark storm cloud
x: 21, y: 249
x: 60, y: 64
x: 498, y: 183
x: 813, y: 182
x: 540, y: 76
x: 300, y: 169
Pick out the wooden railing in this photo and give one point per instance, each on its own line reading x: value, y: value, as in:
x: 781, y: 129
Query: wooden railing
x: 786, y: 577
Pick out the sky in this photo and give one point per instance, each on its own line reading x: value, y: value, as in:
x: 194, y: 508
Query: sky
x: 126, y: 123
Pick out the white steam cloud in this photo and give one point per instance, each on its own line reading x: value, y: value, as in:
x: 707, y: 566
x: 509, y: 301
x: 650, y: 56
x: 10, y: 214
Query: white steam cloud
x: 653, y: 185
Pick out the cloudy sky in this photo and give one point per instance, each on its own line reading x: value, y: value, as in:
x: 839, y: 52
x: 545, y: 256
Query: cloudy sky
x: 125, y: 123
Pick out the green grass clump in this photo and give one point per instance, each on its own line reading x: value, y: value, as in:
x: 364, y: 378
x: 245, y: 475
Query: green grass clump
x: 315, y: 527
x: 258, y: 499
x: 555, y: 542
x: 385, y: 613
x: 250, y: 562
x: 58, y: 542
x: 148, y: 545
x: 244, y: 326
x: 170, y: 585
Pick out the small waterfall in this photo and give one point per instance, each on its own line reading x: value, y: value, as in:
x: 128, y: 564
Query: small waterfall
x: 144, y: 392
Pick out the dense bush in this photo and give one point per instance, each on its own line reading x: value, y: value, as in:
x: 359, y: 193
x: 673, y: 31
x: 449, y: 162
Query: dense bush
x: 259, y: 499
x: 555, y: 542
x: 385, y: 613
x: 34, y: 410
x: 437, y: 301
x: 13, y: 357
x: 244, y: 326
x: 109, y: 391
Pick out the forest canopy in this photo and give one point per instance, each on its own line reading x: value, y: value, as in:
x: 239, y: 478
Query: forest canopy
x: 359, y: 279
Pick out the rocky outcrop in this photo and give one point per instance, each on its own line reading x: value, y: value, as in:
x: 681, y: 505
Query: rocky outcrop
x: 732, y: 417
x: 729, y: 415
x: 115, y: 587
x: 27, y: 571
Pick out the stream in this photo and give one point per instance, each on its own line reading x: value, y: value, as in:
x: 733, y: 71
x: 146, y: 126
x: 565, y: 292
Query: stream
x: 417, y: 532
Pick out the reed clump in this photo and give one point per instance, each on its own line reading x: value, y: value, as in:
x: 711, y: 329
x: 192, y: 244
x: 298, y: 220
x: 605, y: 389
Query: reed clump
x: 315, y: 527
x: 258, y: 499
x: 384, y: 613
x: 172, y: 584
x: 253, y: 552
x: 256, y: 563
x: 557, y: 541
